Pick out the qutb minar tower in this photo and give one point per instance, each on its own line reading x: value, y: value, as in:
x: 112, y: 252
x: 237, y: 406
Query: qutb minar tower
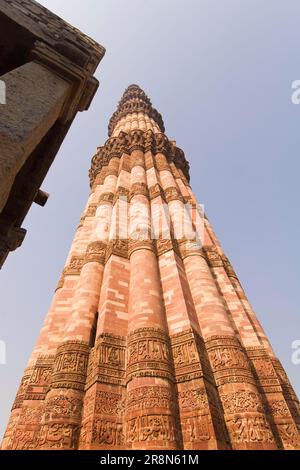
x: 150, y: 341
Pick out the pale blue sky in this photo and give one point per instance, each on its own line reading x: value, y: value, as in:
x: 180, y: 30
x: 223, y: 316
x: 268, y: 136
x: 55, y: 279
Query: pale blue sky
x: 220, y: 72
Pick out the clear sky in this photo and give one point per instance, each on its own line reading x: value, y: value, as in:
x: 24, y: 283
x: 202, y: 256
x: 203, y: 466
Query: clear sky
x: 220, y: 72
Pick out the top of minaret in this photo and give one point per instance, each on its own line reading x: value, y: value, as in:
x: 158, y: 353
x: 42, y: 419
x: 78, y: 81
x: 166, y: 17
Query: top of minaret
x: 134, y: 101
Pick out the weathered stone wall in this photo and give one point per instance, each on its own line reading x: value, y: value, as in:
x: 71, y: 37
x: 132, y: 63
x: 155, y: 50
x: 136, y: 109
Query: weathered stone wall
x: 48, y: 70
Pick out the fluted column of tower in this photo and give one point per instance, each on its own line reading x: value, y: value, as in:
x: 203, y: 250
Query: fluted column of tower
x: 150, y: 341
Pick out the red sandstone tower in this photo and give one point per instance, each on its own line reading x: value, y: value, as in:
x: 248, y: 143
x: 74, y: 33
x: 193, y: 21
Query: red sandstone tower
x: 150, y: 341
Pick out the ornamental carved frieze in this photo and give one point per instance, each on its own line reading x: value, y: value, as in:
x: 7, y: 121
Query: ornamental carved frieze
x: 156, y: 191
x: 144, y: 398
x: 70, y: 365
x: 159, y: 145
x: 22, y: 389
x: 117, y: 247
x: 190, y: 248
x: 138, y: 189
x: 193, y: 399
x: 109, y: 403
x: 242, y: 401
x: 228, y: 360
x: 150, y: 428
x: 228, y: 267
x: 189, y: 200
x: 186, y: 356
x: 250, y: 429
x: 264, y: 370
x: 289, y: 435
x: 25, y: 439
x: 148, y: 354
x: 75, y: 266
x: 281, y: 374
x: 197, y: 428
x: 40, y: 378
x: 135, y: 245
x: 63, y: 406
x: 58, y: 436
x: 164, y: 245
x: 217, y: 260
x: 31, y: 415
x: 213, y: 257
x: 107, y: 361
x: 106, y: 198
x: 96, y: 252
x: 279, y: 408
x: 107, y: 432
x: 173, y: 194
x: 91, y: 210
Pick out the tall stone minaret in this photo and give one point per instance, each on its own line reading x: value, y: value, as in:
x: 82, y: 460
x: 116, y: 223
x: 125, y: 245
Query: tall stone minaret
x: 150, y: 341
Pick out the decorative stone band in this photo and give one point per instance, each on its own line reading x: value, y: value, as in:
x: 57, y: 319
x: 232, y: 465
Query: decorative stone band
x: 126, y: 143
x: 75, y: 266
x: 135, y: 245
x: 190, y: 248
x: 163, y: 245
x: 106, y: 198
x: 149, y: 354
x: 215, y: 260
x: 36, y: 381
x: 101, y: 252
x: 265, y: 373
x: 189, y: 356
x: 70, y: 367
x: 139, y: 189
x: 118, y: 247
x: 155, y: 428
x: 142, y: 398
x: 62, y: 406
x: 107, y: 361
x: 156, y: 191
x: 96, y: 252
x: 22, y: 388
x: 173, y: 194
x: 228, y: 360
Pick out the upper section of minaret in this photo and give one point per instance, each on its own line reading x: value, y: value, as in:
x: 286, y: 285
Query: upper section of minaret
x: 135, y: 111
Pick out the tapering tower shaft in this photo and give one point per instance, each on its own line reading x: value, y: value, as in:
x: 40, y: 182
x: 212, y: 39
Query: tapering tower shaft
x: 150, y: 341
